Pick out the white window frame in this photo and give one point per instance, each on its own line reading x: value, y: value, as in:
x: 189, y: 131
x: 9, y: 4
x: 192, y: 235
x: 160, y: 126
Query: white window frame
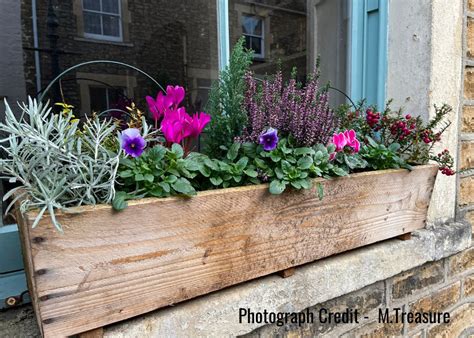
x: 101, y: 13
x: 262, y: 37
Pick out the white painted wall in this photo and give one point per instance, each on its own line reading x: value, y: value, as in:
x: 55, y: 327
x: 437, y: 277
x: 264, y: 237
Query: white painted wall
x: 425, y: 68
x: 12, y: 81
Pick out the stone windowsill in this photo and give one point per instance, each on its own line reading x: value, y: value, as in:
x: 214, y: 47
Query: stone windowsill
x: 216, y: 314
x: 106, y: 42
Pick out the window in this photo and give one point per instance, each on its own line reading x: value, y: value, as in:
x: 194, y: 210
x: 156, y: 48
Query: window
x: 102, y: 19
x: 253, y: 30
x: 103, y: 98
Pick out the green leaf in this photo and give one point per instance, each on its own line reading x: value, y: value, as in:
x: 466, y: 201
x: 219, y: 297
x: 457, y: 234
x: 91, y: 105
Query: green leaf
x: 296, y: 184
x: 127, y: 162
x: 177, y: 150
x: 260, y: 163
x: 304, y: 151
x: 275, y: 157
x: 251, y: 172
x: 320, y: 190
x: 139, y: 177
x: 216, y: 180
x: 233, y: 151
x: 126, y: 173
x: 170, y: 179
x: 394, y: 147
x: 286, y: 166
x: 149, y: 177
x: 339, y: 171
x: 305, y: 162
x: 277, y: 187
x: 305, y: 183
x: 120, y: 200
x: 242, y: 163
x: 372, y: 142
x: 183, y: 186
x: 166, y: 187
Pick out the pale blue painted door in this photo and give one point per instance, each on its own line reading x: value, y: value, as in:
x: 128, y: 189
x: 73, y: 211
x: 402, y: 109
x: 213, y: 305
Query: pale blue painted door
x: 369, y: 50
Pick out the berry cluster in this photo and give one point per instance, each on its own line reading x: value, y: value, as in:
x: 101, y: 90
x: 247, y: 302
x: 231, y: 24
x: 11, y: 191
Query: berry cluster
x: 402, y: 128
x: 446, y: 162
x: 372, y: 118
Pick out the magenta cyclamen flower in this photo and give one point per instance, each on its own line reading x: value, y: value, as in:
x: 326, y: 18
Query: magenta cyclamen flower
x: 352, y: 140
x: 175, y: 125
x: 132, y: 142
x: 347, y: 138
x: 339, y: 140
x: 159, y: 106
x: 198, y: 123
x: 269, y: 139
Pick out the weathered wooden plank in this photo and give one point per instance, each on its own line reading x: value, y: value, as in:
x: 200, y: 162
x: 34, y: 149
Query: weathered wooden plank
x: 110, y: 266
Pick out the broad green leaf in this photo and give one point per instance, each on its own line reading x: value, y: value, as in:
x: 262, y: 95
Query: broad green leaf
x: 304, y: 151
x: 277, y: 187
x: 394, y: 147
x: 242, y: 163
x: 177, y: 149
x: 166, y: 187
x: 183, y: 186
x: 120, y: 200
x: 126, y: 173
x: 139, y: 177
x: 251, y: 172
x: 216, y: 180
x: 305, y: 162
x: 233, y: 151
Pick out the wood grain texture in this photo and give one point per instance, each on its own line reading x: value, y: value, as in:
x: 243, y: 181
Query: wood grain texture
x: 110, y: 266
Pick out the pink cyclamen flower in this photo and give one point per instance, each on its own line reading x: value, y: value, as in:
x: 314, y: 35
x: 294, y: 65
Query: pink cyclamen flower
x: 351, y: 139
x: 175, y: 125
x: 198, y: 123
x: 132, y: 142
x: 159, y: 106
x: 340, y: 141
x: 175, y: 94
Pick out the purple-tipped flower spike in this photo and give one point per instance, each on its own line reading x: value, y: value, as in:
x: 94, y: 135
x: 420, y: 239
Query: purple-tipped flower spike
x: 132, y: 142
x: 269, y: 139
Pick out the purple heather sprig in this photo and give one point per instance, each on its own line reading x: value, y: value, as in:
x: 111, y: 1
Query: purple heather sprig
x: 303, y: 113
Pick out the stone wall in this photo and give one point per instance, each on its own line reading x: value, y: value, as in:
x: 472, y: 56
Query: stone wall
x: 446, y: 285
x: 466, y: 152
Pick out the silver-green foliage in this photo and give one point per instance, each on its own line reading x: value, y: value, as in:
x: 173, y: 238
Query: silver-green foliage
x: 58, y: 165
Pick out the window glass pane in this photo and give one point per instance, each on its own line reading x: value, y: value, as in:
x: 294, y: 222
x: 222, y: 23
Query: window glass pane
x: 111, y: 25
x: 110, y: 6
x: 92, y: 23
x: 292, y: 33
x: 91, y: 4
x: 98, y: 99
x: 252, y: 25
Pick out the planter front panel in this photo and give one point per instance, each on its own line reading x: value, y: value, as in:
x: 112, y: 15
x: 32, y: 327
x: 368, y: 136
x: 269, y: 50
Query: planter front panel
x: 109, y: 266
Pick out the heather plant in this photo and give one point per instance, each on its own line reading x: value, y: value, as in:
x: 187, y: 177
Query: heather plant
x: 301, y: 112
x: 58, y: 164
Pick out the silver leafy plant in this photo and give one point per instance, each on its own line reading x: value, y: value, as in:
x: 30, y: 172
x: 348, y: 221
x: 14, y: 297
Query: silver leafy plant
x: 58, y: 164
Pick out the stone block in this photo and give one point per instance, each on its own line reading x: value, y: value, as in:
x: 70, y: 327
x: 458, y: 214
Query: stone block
x: 466, y: 191
x: 467, y: 119
x: 461, y: 262
x: 375, y: 329
x: 469, y: 286
x: 417, y: 279
x: 467, y: 155
x: 462, y: 320
x: 438, y: 301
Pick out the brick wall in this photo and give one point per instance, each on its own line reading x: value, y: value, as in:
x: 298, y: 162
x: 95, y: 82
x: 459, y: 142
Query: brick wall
x: 441, y: 286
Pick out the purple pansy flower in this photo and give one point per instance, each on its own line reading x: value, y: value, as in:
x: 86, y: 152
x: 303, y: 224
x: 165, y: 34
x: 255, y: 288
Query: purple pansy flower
x: 269, y: 139
x: 132, y: 142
